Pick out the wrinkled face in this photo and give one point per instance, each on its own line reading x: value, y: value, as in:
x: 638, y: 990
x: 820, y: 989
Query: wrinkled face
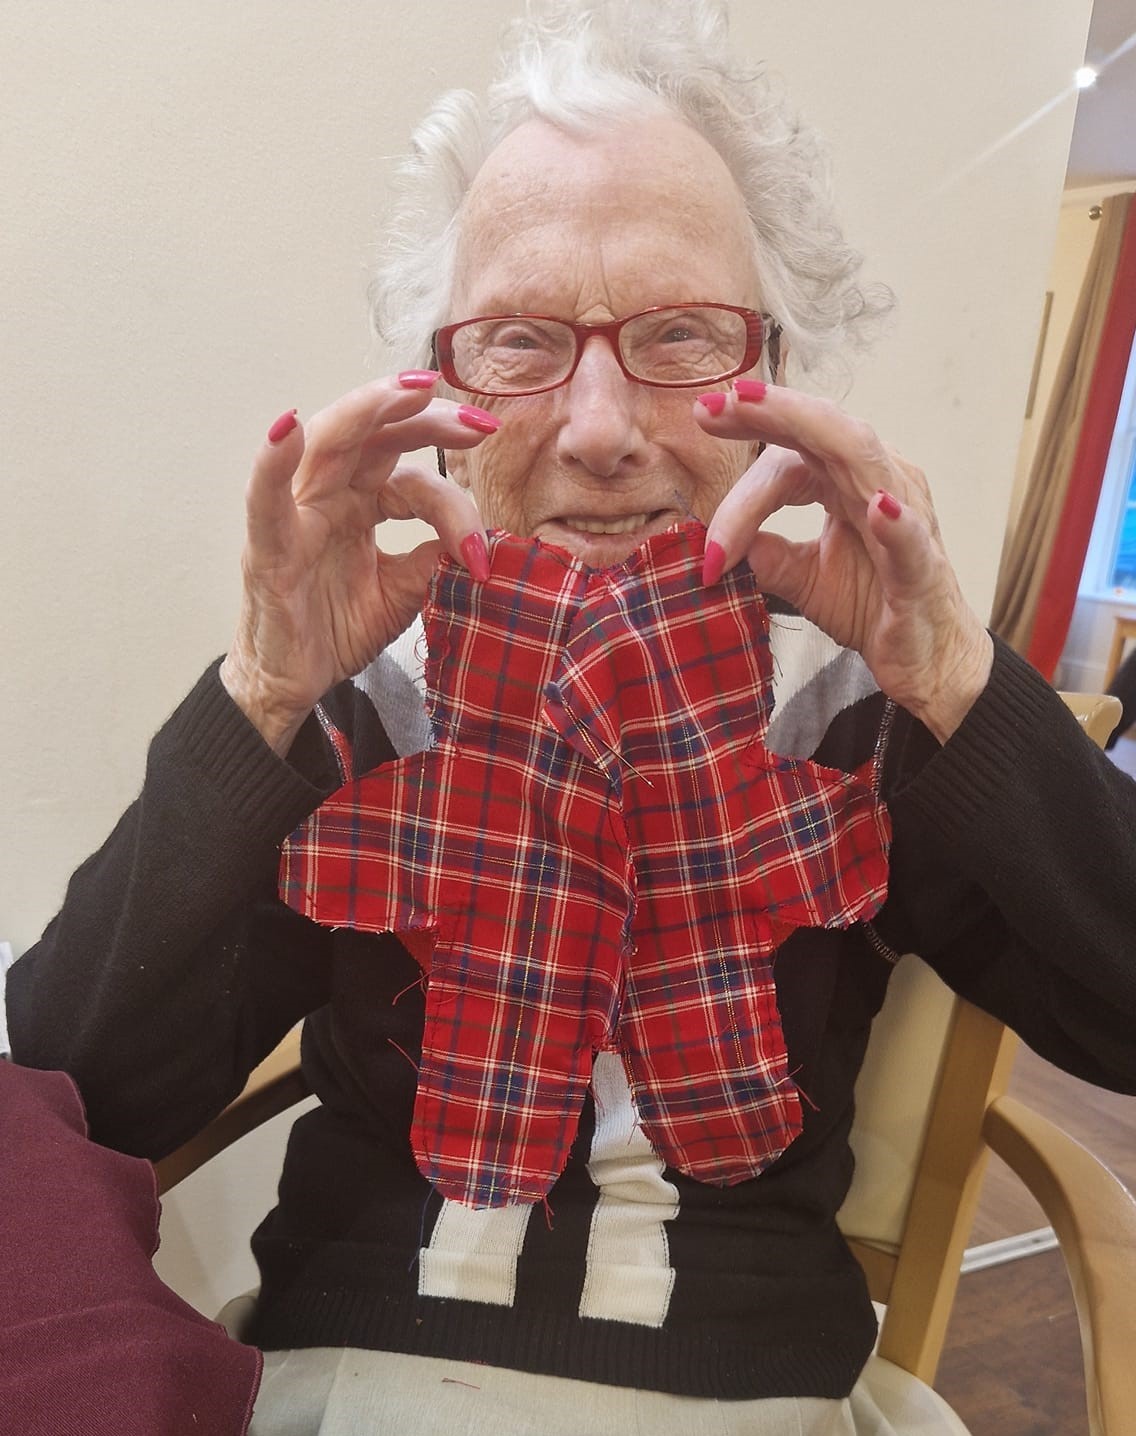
x: 593, y: 229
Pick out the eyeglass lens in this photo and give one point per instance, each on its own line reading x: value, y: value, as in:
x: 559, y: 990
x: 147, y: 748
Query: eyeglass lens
x: 667, y: 346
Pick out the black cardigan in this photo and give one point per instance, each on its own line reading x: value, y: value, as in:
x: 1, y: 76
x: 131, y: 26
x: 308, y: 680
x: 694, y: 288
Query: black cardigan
x: 173, y: 968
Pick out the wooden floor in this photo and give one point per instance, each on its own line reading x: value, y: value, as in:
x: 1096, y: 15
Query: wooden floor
x: 1105, y: 1122
x: 1012, y: 1365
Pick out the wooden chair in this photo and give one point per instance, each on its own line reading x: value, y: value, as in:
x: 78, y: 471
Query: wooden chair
x: 923, y: 1132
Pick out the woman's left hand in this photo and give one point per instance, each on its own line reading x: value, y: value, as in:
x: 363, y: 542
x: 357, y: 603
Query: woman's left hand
x: 877, y: 578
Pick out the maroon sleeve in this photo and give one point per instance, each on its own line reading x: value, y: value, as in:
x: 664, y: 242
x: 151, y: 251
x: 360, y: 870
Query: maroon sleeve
x: 90, y: 1338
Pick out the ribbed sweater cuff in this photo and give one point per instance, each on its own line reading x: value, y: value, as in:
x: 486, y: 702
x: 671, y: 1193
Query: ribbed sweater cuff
x: 969, y: 773
x: 264, y: 792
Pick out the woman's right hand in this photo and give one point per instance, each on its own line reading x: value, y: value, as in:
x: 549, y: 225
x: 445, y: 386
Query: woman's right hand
x: 319, y: 599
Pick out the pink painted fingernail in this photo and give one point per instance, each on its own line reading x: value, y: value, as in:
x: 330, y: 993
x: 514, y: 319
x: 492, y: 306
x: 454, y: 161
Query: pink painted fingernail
x: 479, y: 419
x: 713, y: 563
x: 419, y: 378
x: 715, y: 403
x: 749, y: 391
x: 890, y: 507
x: 476, y: 556
x: 283, y: 427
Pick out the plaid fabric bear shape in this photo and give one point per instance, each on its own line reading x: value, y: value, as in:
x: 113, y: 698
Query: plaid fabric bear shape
x: 604, y: 855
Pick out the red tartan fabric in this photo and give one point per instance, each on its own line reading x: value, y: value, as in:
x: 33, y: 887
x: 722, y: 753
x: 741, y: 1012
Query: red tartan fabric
x: 605, y: 855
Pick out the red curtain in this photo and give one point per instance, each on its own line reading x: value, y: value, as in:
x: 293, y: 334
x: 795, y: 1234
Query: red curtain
x: 1063, y: 572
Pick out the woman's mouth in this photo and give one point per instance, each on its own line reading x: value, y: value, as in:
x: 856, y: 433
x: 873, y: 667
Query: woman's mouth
x: 603, y: 542
x: 625, y: 525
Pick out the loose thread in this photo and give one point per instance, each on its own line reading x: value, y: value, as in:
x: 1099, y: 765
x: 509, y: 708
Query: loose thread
x: 775, y: 621
x: 792, y: 1077
x: 808, y: 1100
x: 684, y: 504
x: 421, y: 1231
x: 403, y: 1053
x: 419, y: 981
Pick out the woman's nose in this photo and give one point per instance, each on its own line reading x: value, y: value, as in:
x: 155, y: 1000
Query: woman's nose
x: 603, y: 414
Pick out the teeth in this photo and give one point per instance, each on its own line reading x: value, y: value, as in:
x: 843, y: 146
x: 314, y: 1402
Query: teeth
x: 607, y: 526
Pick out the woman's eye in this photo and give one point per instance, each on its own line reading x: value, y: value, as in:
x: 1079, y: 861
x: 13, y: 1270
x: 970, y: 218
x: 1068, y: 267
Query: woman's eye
x: 678, y: 329
x: 518, y: 337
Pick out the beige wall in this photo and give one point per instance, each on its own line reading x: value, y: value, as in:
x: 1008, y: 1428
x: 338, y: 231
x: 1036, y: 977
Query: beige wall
x: 192, y: 195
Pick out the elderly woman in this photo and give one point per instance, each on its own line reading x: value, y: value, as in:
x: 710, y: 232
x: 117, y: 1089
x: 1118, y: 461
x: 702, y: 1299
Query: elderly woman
x: 633, y: 250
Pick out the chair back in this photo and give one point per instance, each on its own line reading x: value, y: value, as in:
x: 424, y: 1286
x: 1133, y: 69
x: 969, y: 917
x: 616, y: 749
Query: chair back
x: 934, y: 1065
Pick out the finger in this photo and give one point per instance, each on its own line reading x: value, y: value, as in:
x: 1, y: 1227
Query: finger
x: 413, y: 492
x: 345, y: 425
x: 388, y: 417
x: 783, y: 566
x: 405, y: 577
x: 268, y: 496
x: 778, y: 479
x: 905, y: 547
x: 443, y: 425
x: 818, y: 430
x: 334, y: 437
x: 358, y: 439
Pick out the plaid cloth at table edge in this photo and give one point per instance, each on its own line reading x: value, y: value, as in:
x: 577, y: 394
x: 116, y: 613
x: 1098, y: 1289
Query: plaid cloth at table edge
x: 606, y: 856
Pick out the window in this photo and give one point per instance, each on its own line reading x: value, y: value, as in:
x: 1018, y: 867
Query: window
x: 1124, y: 565
x: 1110, y: 563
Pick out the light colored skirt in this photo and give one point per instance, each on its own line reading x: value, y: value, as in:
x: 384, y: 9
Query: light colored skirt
x: 333, y: 1392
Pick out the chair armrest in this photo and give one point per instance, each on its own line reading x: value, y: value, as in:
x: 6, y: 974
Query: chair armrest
x: 1094, y: 1216
x: 273, y: 1086
x: 1097, y: 713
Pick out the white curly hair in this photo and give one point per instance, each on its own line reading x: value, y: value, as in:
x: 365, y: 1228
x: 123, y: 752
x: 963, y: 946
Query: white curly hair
x: 580, y: 64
